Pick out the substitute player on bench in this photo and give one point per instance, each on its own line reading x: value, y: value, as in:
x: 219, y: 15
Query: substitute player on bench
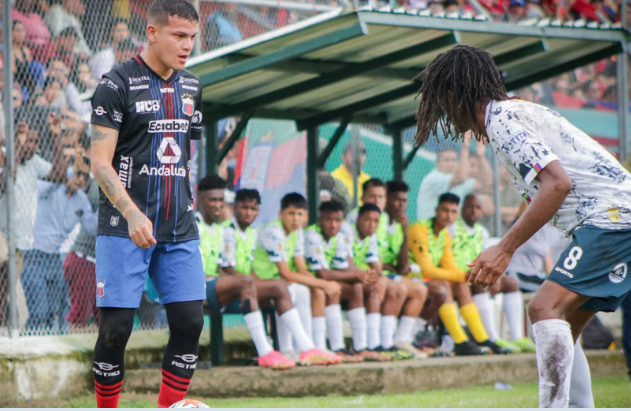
x: 145, y: 112
x: 567, y: 177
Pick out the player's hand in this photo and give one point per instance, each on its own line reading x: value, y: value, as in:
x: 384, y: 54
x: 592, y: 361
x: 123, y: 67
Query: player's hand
x: 140, y: 229
x: 489, y: 266
x: 332, y: 289
x: 403, y: 220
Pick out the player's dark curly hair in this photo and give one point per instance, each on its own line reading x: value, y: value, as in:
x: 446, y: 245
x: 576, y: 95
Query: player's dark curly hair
x: 397, y: 186
x: 248, y: 194
x: 211, y: 182
x: 161, y: 10
x: 452, y: 85
x: 331, y: 206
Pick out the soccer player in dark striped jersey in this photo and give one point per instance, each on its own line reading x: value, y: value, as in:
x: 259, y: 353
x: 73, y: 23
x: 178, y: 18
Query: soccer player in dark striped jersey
x: 145, y: 113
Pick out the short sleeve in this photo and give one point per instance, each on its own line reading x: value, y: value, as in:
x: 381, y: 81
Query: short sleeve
x: 272, y: 240
x: 314, y: 251
x: 518, y: 141
x: 196, y: 121
x: 299, y: 250
x: 372, y: 256
x: 108, y: 102
x: 342, y: 252
x: 42, y: 167
x: 228, y: 248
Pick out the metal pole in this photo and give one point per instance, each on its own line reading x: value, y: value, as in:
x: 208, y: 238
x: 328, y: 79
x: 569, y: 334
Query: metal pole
x: 211, y: 147
x: 622, y: 64
x: 10, y: 164
x: 497, y: 220
x: 356, y: 169
x: 397, y: 154
x: 313, y: 173
x: 197, y: 45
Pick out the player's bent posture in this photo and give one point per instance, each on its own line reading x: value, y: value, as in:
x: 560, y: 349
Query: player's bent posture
x: 145, y: 112
x: 419, y: 306
x: 280, y: 255
x: 235, y: 291
x: 431, y: 247
x: 567, y: 177
x: 381, y: 318
x: 328, y: 254
x: 469, y: 238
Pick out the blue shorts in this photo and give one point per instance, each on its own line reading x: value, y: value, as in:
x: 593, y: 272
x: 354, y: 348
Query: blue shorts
x: 234, y: 307
x: 596, y: 264
x: 176, y: 271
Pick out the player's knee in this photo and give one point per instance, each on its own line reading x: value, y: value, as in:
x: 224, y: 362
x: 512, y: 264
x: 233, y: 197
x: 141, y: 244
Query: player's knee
x: 418, y: 291
x: 246, y: 284
x: 115, y: 333
x: 438, y: 294
x: 509, y: 284
x: 358, y: 292
x: 400, y: 292
x: 538, y: 310
x: 190, y: 325
x: 317, y: 294
x: 280, y: 288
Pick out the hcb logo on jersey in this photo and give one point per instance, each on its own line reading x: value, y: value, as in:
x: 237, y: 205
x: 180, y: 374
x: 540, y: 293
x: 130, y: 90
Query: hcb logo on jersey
x: 174, y: 126
x: 149, y: 106
x: 188, y: 105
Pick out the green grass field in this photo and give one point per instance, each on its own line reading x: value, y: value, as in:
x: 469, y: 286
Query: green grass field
x: 608, y: 393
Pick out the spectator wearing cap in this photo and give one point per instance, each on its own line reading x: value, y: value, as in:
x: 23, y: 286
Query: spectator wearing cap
x: 344, y: 172
x: 65, y: 15
x: 60, y: 208
x: 105, y: 59
x: 516, y: 11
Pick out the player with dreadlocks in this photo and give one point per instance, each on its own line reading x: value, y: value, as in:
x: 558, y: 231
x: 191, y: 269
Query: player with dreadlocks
x: 566, y: 177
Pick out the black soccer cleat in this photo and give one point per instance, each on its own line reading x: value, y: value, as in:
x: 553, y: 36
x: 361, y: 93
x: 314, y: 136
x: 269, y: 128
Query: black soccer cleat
x: 470, y: 348
x: 495, y: 348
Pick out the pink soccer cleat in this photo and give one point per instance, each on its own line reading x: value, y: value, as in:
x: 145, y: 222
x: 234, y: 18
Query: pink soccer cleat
x: 276, y: 361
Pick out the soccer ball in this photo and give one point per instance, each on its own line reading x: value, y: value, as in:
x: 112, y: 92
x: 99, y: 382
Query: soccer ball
x: 189, y: 404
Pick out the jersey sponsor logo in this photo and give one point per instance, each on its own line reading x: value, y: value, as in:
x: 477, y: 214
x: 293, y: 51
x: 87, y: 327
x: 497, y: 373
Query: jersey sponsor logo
x: 174, y: 126
x: 190, y: 207
x: 164, y: 171
x: 124, y: 171
x: 169, y: 152
x: 114, y: 220
x: 139, y: 87
x: 149, y: 106
x: 99, y: 111
x: 185, y: 87
x: 189, y: 80
x: 167, y: 90
x: 618, y: 274
x: 188, y: 105
x: 565, y: 273
x: 135, y: 80
x: 109, y: 83
x: 117, y: 116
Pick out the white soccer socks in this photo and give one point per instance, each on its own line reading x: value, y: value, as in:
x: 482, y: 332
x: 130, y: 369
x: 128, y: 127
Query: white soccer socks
x: 405, y: 330
x: 373, y: 325
x: 482, y: 302
x: 581, y: 381
x: 333, y: 315
x: 301, y: 298
x: 388, y: 325
x: 514, y: 310
x: 291, y: 320
x: 555, y: 355
x: 357, y: 320
x: 319, y: 332
x: 254, y: 321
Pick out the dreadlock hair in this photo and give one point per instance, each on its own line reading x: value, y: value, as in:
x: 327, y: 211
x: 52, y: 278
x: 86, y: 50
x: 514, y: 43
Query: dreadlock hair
x: 452, y: 85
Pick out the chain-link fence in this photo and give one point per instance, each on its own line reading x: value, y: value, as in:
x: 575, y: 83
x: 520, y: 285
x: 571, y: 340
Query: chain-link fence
x: 58, y: 52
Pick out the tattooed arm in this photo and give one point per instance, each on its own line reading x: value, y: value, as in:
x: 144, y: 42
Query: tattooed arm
x: 103, y: 146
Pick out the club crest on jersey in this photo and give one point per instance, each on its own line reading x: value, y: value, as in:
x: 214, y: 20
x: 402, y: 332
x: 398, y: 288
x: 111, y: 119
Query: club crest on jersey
x: 100, y: 286
x: 188, y: 105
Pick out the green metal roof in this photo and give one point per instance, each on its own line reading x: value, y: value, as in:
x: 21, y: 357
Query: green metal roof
x: 361, y: 64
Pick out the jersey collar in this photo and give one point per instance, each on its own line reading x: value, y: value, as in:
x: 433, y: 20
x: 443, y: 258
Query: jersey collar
x: 174, y: 76
x: 237, y: 228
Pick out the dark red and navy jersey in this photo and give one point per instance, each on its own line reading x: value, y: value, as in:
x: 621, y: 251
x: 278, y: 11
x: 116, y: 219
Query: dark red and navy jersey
x: 156, y: 120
